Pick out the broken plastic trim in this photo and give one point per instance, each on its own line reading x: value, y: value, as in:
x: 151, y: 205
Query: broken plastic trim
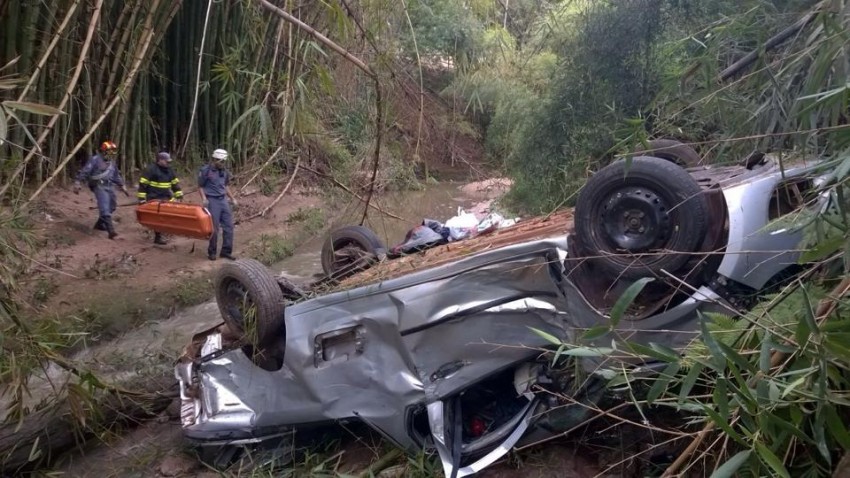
x: 436, y: 419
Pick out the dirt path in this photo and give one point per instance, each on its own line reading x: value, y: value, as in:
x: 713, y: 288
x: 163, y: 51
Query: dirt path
x: 117, y: 284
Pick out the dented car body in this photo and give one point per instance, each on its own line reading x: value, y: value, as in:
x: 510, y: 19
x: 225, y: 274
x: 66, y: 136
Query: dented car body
x: 451, y: 358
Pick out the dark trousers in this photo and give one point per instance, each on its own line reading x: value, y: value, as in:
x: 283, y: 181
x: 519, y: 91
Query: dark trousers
x: 106, y: 204
x: 222, y: 220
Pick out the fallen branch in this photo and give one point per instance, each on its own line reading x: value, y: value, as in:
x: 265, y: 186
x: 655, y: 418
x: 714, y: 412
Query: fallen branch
x: 349, y: 191
x: 260, y: 170
x: 279, y: 196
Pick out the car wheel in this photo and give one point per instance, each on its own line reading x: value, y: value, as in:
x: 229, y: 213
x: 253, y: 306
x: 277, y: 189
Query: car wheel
x: 674, y: 151
x: 348, y: 249
x: 250, y: 300
x: 636, y: 218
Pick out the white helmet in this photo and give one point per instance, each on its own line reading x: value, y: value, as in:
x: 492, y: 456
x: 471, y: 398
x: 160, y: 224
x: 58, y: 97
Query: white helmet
x: 219, y: 155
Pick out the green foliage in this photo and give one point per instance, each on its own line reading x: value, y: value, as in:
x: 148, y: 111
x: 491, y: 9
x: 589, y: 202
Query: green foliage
x: 192, y: 291
x: 271, y: 249
x: 312, y: 219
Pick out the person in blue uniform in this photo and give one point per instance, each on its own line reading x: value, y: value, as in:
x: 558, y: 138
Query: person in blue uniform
x: 214, y: 182
x: 101, y: 175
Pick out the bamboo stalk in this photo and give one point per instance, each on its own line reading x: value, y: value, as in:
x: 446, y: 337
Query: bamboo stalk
x: 198, y: 79
x: 105, y: 89
x: 149, y: 33
x: 366, y: 69
x: 68, y: 91
x: 56, y: 37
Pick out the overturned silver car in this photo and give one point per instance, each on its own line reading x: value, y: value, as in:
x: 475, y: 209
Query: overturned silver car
x: 453, y: 358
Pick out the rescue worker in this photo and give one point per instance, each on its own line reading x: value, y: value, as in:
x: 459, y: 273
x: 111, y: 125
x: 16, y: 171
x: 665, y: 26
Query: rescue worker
x: 213, y: 182
x: 159, y: 183
x: 100, y: 174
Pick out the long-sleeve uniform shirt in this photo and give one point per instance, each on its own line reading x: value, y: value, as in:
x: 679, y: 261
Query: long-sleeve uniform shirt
x: 159, y: 183
x: 99, y: 172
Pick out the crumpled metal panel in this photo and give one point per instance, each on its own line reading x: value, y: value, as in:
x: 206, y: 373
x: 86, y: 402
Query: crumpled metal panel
x: 373, y: 352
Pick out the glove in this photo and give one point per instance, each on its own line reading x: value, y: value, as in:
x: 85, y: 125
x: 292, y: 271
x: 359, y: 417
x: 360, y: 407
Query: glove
x: 76, y: 188
x: 235, y: 202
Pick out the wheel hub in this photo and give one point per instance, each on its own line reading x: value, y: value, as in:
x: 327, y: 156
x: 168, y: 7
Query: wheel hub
x: 635, y: 219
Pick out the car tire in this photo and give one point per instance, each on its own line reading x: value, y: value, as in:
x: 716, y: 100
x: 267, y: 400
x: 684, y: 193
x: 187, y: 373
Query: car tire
x: 672, y: 150
x: 251, y: 301
x: 630, y: 211
x: 359, y: 238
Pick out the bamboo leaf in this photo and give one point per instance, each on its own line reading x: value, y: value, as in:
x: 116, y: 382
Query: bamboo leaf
x: 731, y: 465
x: 643, y: 350
x: 836, y: 426
x: 595, y: 332
x: 822, y: 250
x: 661, y: 382
x: 689, y: 382
x: 723, y: 424
x: 34, y: 108
x: 242, y: 118
x: 627, y: 298
x: 718, y: 361
x: 547, y: 336
x: 23, y: 127
x: 771, y: 460
x: 589, y: 352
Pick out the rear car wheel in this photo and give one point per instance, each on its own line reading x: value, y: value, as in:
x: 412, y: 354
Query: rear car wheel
x: 349, y: 249
x: 250, y: 300
x: 636, y: 218
x: 674, y: 151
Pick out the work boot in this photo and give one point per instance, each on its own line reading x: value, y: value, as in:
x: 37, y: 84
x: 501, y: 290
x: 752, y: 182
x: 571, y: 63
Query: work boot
x: 110, y: 229
x: 158, y: 239
x: 227, y: 255
x: 99, y: 226
x: 211, y: 257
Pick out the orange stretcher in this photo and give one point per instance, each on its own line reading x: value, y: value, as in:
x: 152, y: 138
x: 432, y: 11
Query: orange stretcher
x: 188, y: 220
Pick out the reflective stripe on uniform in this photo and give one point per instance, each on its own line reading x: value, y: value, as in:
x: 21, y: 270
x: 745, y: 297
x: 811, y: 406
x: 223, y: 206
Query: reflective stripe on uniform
x: 155, y: 184
x: 175, y: 180
x: 178, y: 194
x: 141, y: 195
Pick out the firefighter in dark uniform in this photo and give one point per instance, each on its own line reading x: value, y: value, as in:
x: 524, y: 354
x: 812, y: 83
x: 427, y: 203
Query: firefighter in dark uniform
x: 213, y: 182
x: 100, y: 174
x: 159, y: 183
